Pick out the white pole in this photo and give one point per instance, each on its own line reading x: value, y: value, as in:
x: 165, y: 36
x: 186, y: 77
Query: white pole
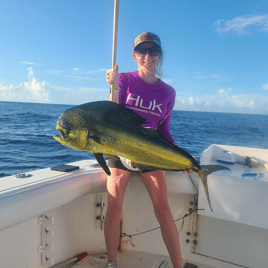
x: 116, y: 13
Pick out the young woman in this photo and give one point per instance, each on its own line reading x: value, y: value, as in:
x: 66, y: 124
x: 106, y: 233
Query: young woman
x: 147, y: 95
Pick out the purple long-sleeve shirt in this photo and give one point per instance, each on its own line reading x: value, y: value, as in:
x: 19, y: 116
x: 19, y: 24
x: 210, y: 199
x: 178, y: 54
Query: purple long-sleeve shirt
x: 153, y: 102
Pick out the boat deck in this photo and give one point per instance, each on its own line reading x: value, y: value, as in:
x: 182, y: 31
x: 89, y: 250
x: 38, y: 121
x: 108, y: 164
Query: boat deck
x: 127, y: 259
x: 132, y: 259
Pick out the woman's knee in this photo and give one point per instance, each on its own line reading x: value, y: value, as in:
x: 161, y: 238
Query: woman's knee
x: 162, y: 212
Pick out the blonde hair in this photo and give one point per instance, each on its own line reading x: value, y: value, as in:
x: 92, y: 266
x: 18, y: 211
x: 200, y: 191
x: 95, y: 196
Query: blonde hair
x: 159, y: 66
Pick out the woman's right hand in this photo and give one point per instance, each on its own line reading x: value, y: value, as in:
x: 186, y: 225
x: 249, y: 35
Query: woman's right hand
x: 112, y: 75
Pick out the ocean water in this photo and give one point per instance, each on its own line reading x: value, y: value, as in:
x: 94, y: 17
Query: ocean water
x: 27, y: 129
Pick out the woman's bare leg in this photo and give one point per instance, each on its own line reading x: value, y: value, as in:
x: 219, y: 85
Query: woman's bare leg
x: 156, y: 186
x: 116, y: 186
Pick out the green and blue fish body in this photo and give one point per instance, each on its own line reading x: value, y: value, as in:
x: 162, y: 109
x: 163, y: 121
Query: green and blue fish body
x: 106, y: 129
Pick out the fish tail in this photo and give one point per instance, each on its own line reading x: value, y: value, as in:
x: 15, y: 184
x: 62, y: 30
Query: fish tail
x: 203, y: 175
x: 204, y: 172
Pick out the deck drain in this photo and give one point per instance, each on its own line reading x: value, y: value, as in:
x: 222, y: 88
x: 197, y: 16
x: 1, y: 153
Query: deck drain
x: 23, y: 175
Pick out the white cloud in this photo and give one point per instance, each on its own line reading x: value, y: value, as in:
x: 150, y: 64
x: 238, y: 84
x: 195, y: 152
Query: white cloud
x: 241, y: 25
x: 96, y: 71
x: 191, y: 100
x: 36, y: 91
x: 32, y: 91
x: 77, y: 95
x: 221, y: 91
x: 224, y: 91
x: 29, y: 63
x: 91, y: 89
x: 180, y: 100
x: 54, y: 72
x: 79, y: 77
x: 215, y: 76
x: 167, y: 80
x: 251, y: 104
x: 199, y: 76
x: 28, y: 91
x: 30, y: 72
x: 265, y: 86
x: 225, y: 102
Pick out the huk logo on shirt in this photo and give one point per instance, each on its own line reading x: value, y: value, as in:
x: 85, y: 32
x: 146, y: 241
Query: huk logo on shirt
x: 139, y: 103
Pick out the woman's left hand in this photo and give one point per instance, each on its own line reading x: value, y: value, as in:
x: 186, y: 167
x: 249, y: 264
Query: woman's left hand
x: 188, y: 171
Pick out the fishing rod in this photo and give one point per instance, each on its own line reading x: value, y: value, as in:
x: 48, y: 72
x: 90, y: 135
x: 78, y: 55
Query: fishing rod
x: 115, y: 30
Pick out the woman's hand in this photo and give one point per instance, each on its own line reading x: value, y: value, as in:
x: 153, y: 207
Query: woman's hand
x: 188, y: 171
x: 112, y: 79
x: 112, y: 75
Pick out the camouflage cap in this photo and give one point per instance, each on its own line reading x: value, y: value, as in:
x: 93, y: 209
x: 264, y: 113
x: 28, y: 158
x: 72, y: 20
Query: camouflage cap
x: 147, y: 37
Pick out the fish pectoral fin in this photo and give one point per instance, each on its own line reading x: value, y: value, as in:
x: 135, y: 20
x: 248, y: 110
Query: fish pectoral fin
x: 102, y: 162
x: 213, y: 168
x: 95, y: 138
x: 111, y: 156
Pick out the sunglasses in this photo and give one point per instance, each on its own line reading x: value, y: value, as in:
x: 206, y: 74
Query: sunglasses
x: 153, y: 51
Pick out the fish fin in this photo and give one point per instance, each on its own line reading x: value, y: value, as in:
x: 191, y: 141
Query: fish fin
x: 111, y: 156
x: 128, y: 117
x: 142, y: 167
x: 203, y: 176
x: 95, y: 138
x: 102, y: 162
x: 213, y: 168
x: 113, y: 113
x: 204, y: 172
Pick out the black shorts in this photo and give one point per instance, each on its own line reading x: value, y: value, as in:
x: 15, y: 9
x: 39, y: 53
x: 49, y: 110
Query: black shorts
x: 116, y: 163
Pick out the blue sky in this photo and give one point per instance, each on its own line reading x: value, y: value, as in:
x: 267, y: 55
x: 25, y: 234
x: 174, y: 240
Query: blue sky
x: 216, y: 52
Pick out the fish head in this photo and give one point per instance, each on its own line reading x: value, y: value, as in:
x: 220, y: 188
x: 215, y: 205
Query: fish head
x: 76, y: 139
x: 74, y: 130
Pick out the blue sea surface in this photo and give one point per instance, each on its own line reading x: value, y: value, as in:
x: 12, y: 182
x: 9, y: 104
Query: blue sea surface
x: 27, y: 129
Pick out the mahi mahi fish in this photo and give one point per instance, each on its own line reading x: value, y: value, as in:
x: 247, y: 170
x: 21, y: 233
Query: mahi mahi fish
x: 106, y: 128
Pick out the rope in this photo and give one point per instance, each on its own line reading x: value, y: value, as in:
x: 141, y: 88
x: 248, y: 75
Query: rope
x: 192, y: 182
x: 182, y: 218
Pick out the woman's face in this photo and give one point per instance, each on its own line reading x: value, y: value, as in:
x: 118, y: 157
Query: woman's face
x: 146, y: 61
